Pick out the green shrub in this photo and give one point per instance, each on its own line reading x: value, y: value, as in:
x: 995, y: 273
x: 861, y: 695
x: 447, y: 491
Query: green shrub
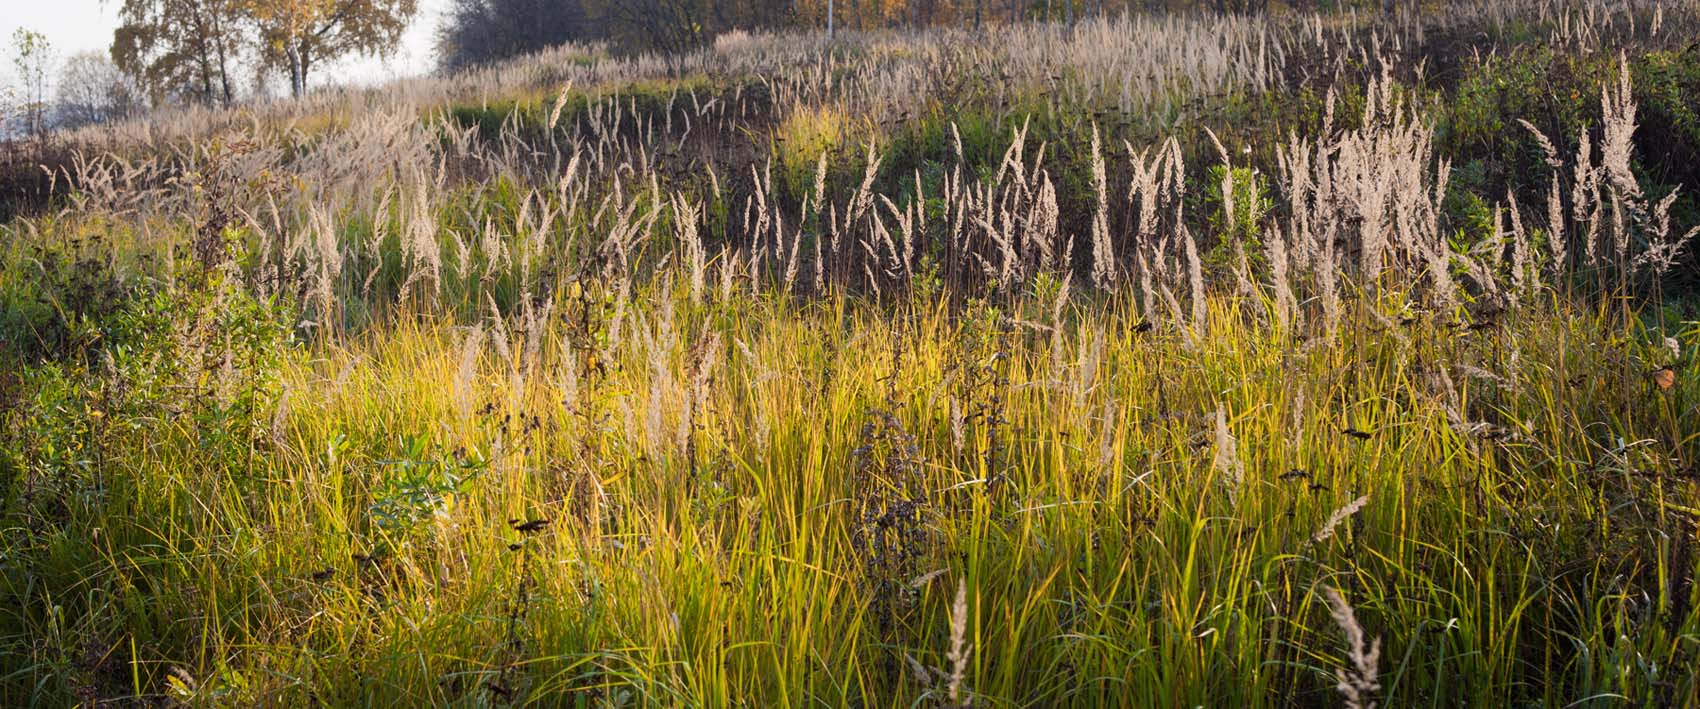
x: 802, y: 140
x: 1236, y: 222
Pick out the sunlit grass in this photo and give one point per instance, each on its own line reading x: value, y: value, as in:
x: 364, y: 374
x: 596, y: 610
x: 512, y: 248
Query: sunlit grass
x: 1109, y: 552
x: 1114, y: 364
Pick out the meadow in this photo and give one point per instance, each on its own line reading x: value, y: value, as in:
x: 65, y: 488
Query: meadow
x: 1316, y: 359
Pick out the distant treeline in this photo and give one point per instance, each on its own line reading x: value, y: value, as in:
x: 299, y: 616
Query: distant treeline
x: 481, y: 31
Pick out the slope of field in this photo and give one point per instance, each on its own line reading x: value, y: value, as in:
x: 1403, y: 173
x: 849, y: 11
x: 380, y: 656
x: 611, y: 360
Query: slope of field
x: 1154, y: 361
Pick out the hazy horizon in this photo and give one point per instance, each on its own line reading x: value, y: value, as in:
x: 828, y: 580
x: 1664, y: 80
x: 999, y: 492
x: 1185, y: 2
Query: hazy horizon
x: 75, y: 26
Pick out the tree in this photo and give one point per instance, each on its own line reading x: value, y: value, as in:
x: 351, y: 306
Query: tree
x: 180, y: 49
x: 295, y: 35
x: 93, y: 90
x: 31, y: 55
x: 671, y: 26
x: 484, y: 31
x: 6, y: 99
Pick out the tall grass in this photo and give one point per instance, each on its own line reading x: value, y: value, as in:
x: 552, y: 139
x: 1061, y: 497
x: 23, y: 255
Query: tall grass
x: 625, y: 400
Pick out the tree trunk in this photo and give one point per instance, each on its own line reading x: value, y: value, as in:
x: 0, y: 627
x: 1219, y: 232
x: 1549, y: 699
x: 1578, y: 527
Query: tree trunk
x: 203, y: 57
x: 220, y: 55
x: 297, y: 70
x: 224, y: 76
x: 206, y: 72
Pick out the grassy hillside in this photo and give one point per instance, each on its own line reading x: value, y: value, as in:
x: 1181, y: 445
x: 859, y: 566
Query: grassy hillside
x: 1155, y: 361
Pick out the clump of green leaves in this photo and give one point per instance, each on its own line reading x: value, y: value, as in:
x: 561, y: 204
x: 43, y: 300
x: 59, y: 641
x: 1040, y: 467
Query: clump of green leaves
x: 1236, y: 216
x: 417, y: 486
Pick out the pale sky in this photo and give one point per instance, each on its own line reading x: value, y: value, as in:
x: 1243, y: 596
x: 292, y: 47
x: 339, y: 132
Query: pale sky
x: 72, y: 26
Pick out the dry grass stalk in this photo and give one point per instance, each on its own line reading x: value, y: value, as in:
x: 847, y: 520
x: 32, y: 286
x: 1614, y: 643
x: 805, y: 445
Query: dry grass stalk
x: 1358, y: 683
